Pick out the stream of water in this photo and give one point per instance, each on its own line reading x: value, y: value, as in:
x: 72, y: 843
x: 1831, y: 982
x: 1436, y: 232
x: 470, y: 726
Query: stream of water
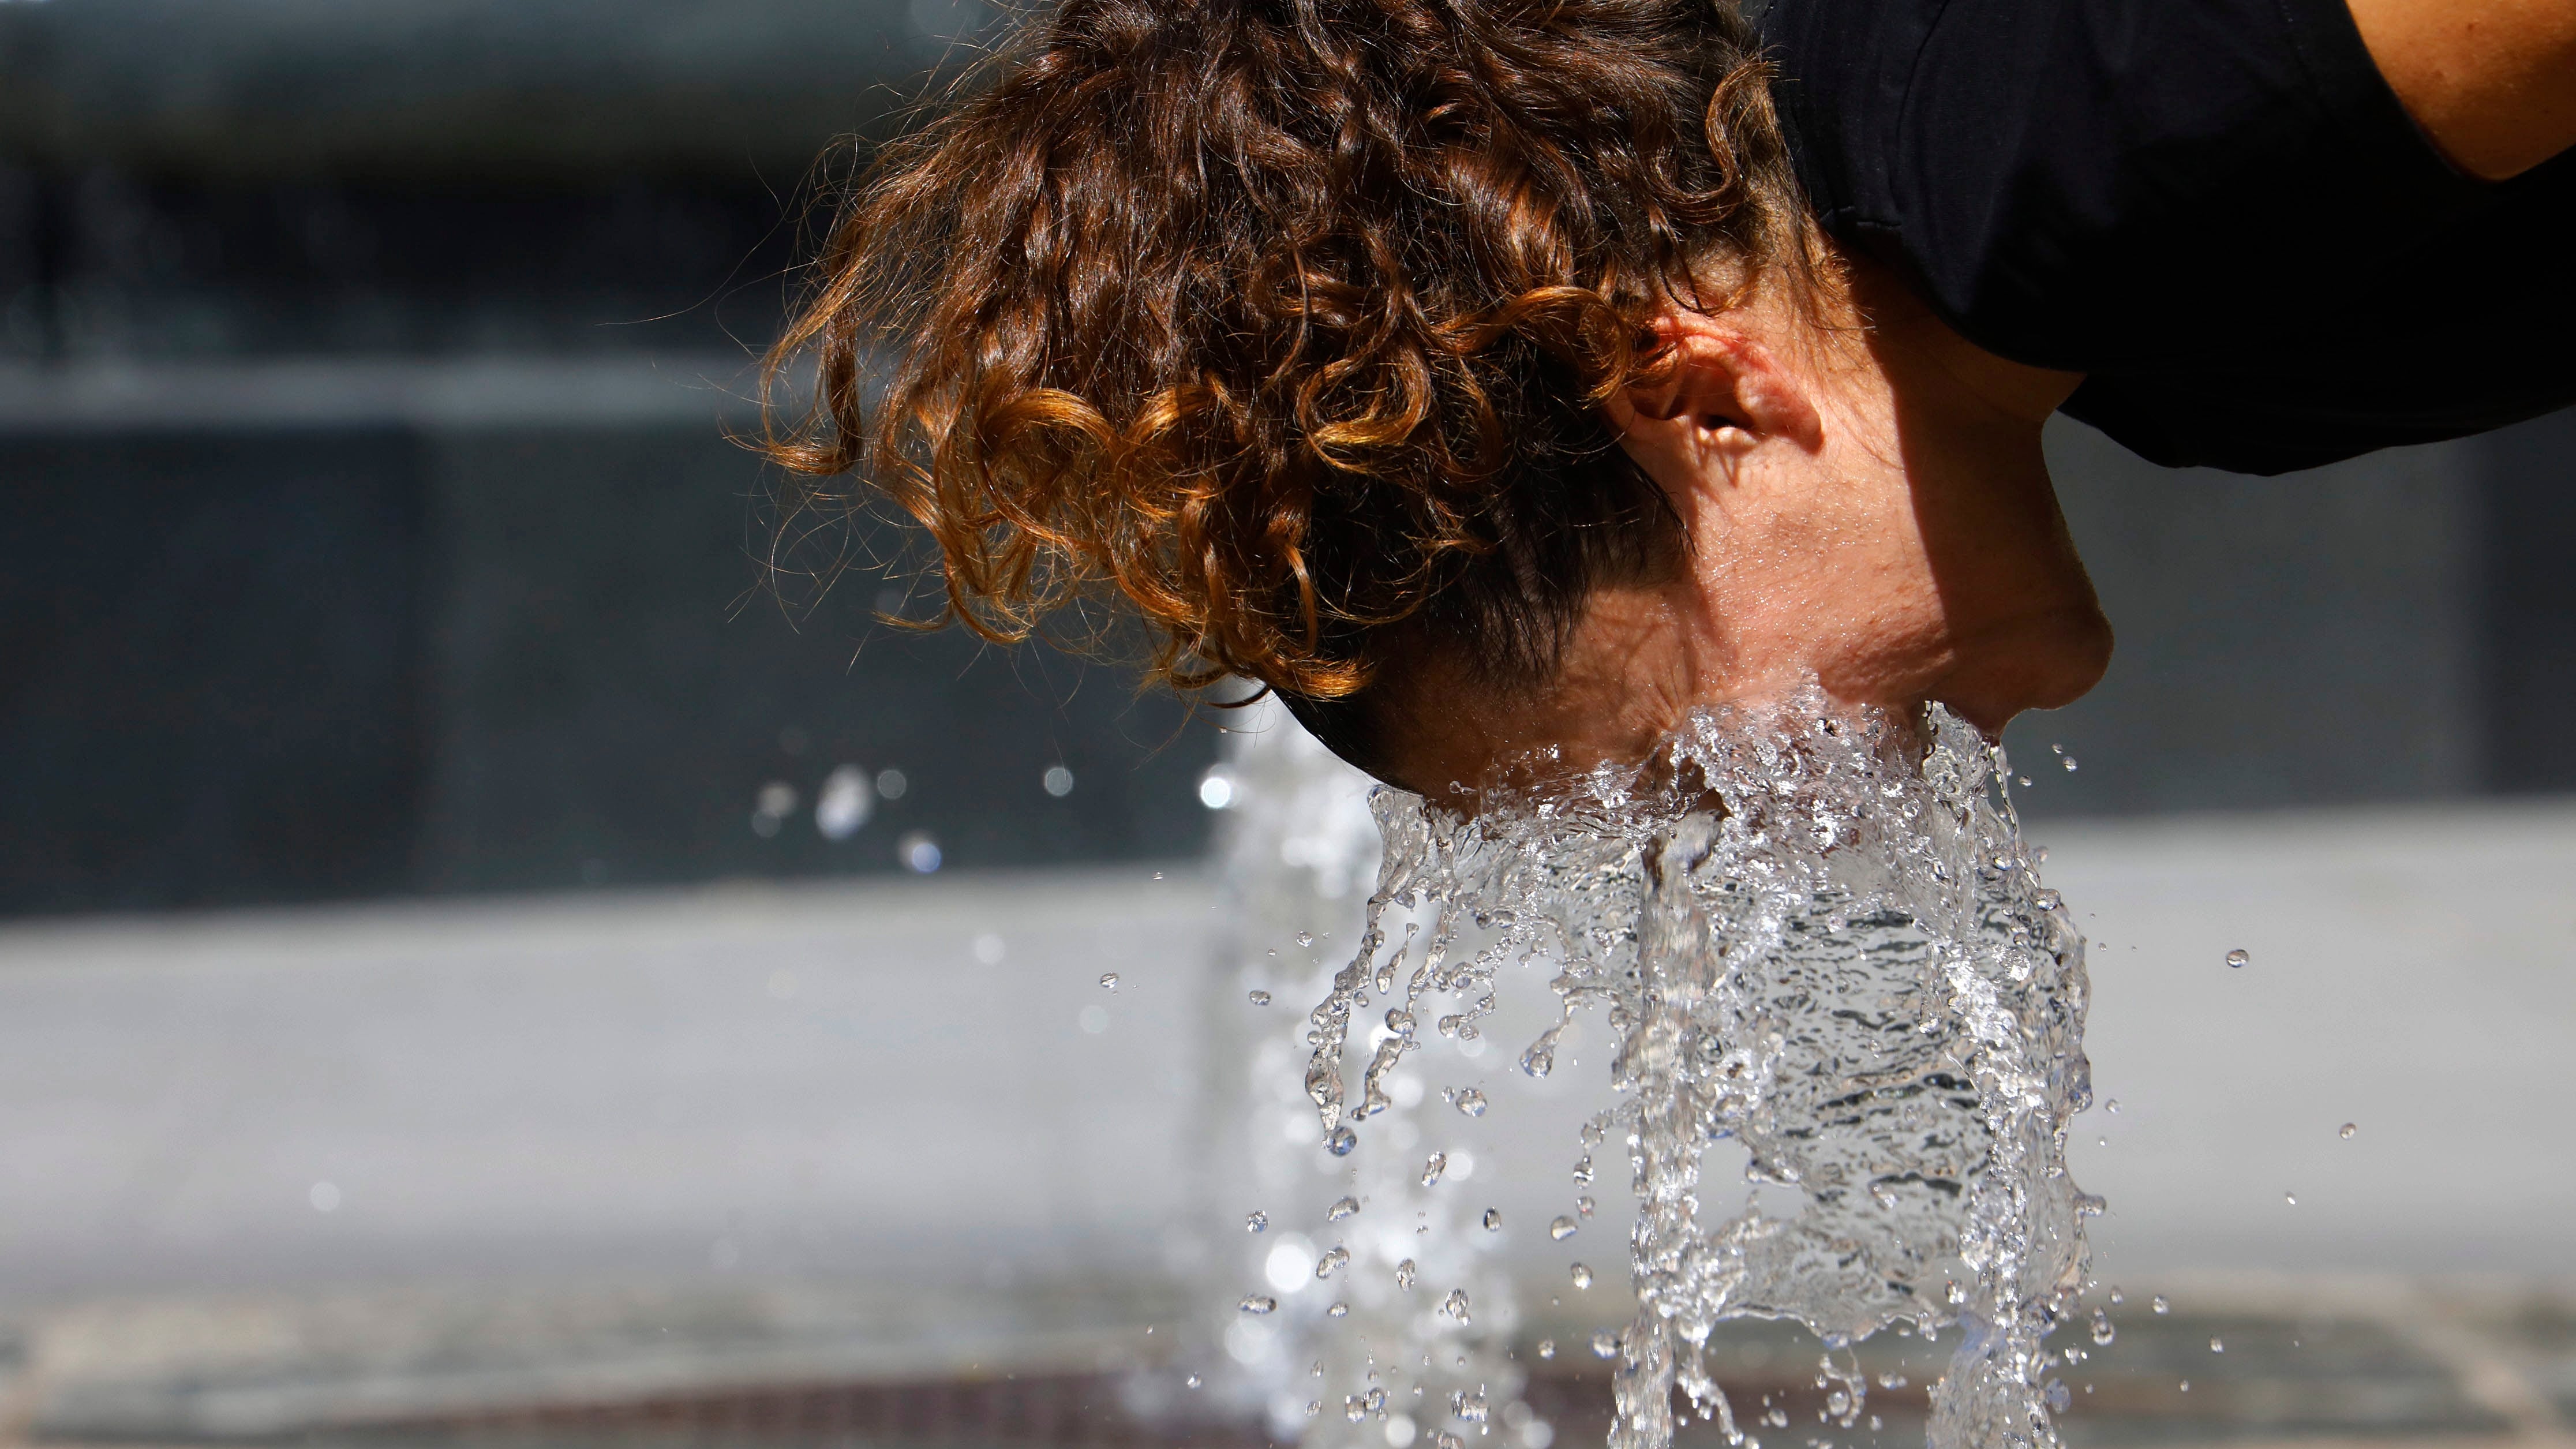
x: 1813, y: 934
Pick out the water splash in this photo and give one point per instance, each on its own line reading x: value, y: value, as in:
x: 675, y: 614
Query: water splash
x: 1816, y: 934
x: 1371, y: 1244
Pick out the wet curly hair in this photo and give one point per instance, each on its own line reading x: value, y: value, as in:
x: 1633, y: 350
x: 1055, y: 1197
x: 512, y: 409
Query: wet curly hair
x: 1286, y: 322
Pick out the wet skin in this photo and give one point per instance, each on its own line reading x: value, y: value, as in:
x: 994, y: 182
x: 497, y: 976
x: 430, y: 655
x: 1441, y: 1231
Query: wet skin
x: 1865, y: 504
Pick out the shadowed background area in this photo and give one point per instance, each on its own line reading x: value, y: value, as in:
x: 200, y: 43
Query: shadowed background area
x: 410, y: 786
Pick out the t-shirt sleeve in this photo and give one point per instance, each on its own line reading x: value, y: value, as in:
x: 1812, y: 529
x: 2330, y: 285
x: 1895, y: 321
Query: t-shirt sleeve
x: 2102, y: 184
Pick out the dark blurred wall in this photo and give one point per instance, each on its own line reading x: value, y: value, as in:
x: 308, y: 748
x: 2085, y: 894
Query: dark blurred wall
x: 364, y: 372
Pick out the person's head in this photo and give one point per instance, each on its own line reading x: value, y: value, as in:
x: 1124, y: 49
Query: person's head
x: 1469, y: 372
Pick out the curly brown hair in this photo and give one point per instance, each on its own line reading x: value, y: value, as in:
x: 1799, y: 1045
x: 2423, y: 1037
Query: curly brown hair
x: 1287, y: 321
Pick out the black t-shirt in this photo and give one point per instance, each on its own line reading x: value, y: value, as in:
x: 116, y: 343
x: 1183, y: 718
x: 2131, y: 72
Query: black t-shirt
x: 2215, y: 208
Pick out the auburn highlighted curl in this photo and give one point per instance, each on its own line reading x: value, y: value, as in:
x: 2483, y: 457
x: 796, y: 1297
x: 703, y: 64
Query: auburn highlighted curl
x: 1286, y: 321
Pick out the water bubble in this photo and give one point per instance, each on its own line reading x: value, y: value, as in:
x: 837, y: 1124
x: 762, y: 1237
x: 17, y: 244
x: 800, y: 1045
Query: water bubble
x: 325, y: 1197
x: 1057, y: 781
x: 989, y: 948
x: 1561, y: 1229
x: 1547, y: 1348
x: 1455, y: 1305
x: 1581, y: 1275
x: 1258, y: 1303
x: 891, y: 784
x: 2103, y: 1332
x: 1342, y: 1207
x: 2159, y: 1304
x: 1605, y: 1344
x: 1471, y: 1102
x: 1340, y: 1141
x: 1108, y: 980
x: 1260, y: 998
x: 1432, y: 1167
x: 1405, y: 1273
x: 1333, y: 1261
x: 2238, y: 957
x: 919, y: 852
x: 1493, y: 1220
x: 2217, y: 1346
x: 1093, y: 1020
x: 844, y: 803
x: 1256, y: 1221
x: 2346, y: 1130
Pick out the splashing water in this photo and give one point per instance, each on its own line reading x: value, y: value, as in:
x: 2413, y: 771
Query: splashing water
x: 1388, y: 1228
x: 1817, y: 935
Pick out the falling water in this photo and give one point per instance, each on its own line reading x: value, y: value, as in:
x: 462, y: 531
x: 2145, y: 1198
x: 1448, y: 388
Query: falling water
x: 1816, y: 935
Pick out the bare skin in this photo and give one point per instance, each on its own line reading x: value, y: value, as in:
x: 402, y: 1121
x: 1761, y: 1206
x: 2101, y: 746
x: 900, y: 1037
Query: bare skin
x: 2492, y: 82
x: 1865, y: 506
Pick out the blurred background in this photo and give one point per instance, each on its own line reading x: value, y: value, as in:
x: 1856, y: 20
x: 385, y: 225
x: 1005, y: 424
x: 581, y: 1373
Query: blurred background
x: 478, y: 959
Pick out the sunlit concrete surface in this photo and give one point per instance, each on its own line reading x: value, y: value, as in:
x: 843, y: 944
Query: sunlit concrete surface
x: 900, y: 1128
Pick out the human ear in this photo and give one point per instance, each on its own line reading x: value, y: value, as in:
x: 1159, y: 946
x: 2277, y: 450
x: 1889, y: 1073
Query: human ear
x: 1728, y: 394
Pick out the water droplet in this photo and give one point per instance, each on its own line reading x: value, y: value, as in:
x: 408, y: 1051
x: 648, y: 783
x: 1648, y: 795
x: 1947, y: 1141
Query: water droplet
x: 918, y: 852
x: 2346, y: 1130
x: 2103, y: 1332
x: 891, y: 784
x: 1342, y: 1207
x: 2238, y: 957
x: 1057, y: 781
x: 1455, y: 1305
x: 1314, y: 1407
x: 1256, y: 1221
x: 1471, y: 1102
x: 2112, y: 1106
x: 1433, y: 1166
x: 2069, y: 762
x: 1257, y: 1303
x: 2291, y: 1198
x: 2186, y: 1386
x: 1216, y: 789
x: 1561, y: 1229
x: 1260, y: 998
x: 1332, y: 1261
x: 2159, y: 1304
x: 2217, y: 1346
x: 1341, y: 1141
x: 1338, y: 1310
x: 2089, y: 1205
x: 1581, y: 1275
x: 1493, y: 1220
x: 1404, y: 1273
x: 1605, y: 1344
x: 2117, y: 1298
x: 844, y: 803
x: 1194, y: 1381
x: 1305, y: 938
x: 1108, y: 980
x: 1583, y: 1205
